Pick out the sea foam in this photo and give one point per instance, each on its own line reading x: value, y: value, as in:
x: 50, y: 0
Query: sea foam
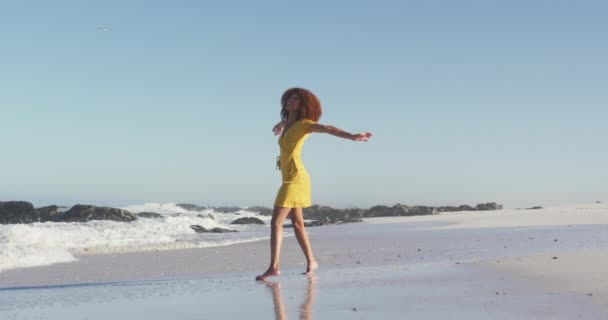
x: 37, y: 244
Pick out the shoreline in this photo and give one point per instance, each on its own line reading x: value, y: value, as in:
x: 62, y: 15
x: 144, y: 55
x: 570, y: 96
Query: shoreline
x: 462, y: 262
x: 330, y: 243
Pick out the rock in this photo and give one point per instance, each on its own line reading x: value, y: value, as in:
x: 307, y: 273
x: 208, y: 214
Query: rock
x: 190, y: 207
x: 325, y: 222
x: 324, y: 215
x: 403, y: 210
x: 421, y: 211
x: 226, y: 209
x: 466, y: 207
x: 208, y: 215
x: 448, y: 209
x: 330, y: 215
x: 384, y: 211
x: 50, y: 213
x: 149, y: 215
x: 534, y: 208
x: 83, y: 213
x: 248, y: 220
x: 488, y: 206
x: 314, y: 223
x: 263, y: 211
x: 17, y: 212
x: 200, y: 229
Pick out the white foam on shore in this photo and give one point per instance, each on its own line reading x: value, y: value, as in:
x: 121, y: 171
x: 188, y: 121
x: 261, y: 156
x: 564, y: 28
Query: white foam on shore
x: 37, y: 244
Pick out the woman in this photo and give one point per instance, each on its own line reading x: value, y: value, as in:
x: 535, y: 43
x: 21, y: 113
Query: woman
x: 300, y: 111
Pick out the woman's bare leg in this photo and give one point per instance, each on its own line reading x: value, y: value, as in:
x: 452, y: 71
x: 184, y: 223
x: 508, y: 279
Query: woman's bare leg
x: 297, y: 220
x: 276, y: 239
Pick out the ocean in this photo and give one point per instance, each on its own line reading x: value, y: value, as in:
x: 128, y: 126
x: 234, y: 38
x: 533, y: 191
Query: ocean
x: 37, y: 244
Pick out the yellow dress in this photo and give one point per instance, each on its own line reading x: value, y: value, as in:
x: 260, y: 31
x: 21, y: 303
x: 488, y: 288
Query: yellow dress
x: 295, y: 190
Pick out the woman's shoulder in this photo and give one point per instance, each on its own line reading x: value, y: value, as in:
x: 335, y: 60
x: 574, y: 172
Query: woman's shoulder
x: 305, y: 125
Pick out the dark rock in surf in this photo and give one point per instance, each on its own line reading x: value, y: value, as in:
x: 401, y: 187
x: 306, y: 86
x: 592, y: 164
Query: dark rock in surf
x: 326, y: 222
x: 147, y: 214
x: 12, y: 212
x: 191, y: 207
x: 248, y: 220
x: 200, y: 229
x: 208, y: 215
x: 83, y: 213
x: 263, y: 211
x: 488, y: 206
x: 49, y: 213
x: 233, y: 210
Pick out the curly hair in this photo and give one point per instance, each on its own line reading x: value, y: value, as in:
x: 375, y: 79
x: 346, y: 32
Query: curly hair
x: 310, y: 106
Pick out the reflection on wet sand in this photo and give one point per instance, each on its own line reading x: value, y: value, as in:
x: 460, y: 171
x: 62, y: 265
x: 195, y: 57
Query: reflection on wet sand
x: 305, y: 308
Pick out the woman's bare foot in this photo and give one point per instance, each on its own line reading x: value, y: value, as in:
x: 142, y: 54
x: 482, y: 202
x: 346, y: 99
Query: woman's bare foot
x: 310, y: 269
x: 269, y: 273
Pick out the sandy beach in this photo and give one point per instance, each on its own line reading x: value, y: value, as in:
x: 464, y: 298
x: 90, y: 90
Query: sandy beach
x: 508, y: 264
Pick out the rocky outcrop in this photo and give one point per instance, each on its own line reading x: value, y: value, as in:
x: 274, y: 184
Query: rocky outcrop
x: 396, y: 210
x: 17, y: 212
x: 190, y: 207
x: 325, y: 222
x: 403, y: 210
x: 322, y: 215
x: 454, y: 209
x: 264, y: 211
x: 193, y: 207
x: 208, y: 215
x: 24, y: 212
x: 147, y: 214
x: 329, y: 215
x: 200, y: 229
x: 227, y: 209
x: 50, y: 213
x: 488, y: 206
x: 248, y: 220
x: 317, y: 212
x: 83, y: 213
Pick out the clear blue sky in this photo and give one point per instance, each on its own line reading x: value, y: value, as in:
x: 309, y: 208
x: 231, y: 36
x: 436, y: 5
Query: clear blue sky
x: 125, y: 102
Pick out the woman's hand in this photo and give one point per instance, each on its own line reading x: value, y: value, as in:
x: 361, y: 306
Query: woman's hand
x: 278, y: 128
x: 362, y: 136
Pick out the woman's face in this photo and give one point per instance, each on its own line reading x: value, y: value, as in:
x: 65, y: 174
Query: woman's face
x: 293, y: 103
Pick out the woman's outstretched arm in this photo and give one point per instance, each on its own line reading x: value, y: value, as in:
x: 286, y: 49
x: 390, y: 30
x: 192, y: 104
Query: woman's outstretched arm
x: 278, y: 128
x: 321, y: 128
